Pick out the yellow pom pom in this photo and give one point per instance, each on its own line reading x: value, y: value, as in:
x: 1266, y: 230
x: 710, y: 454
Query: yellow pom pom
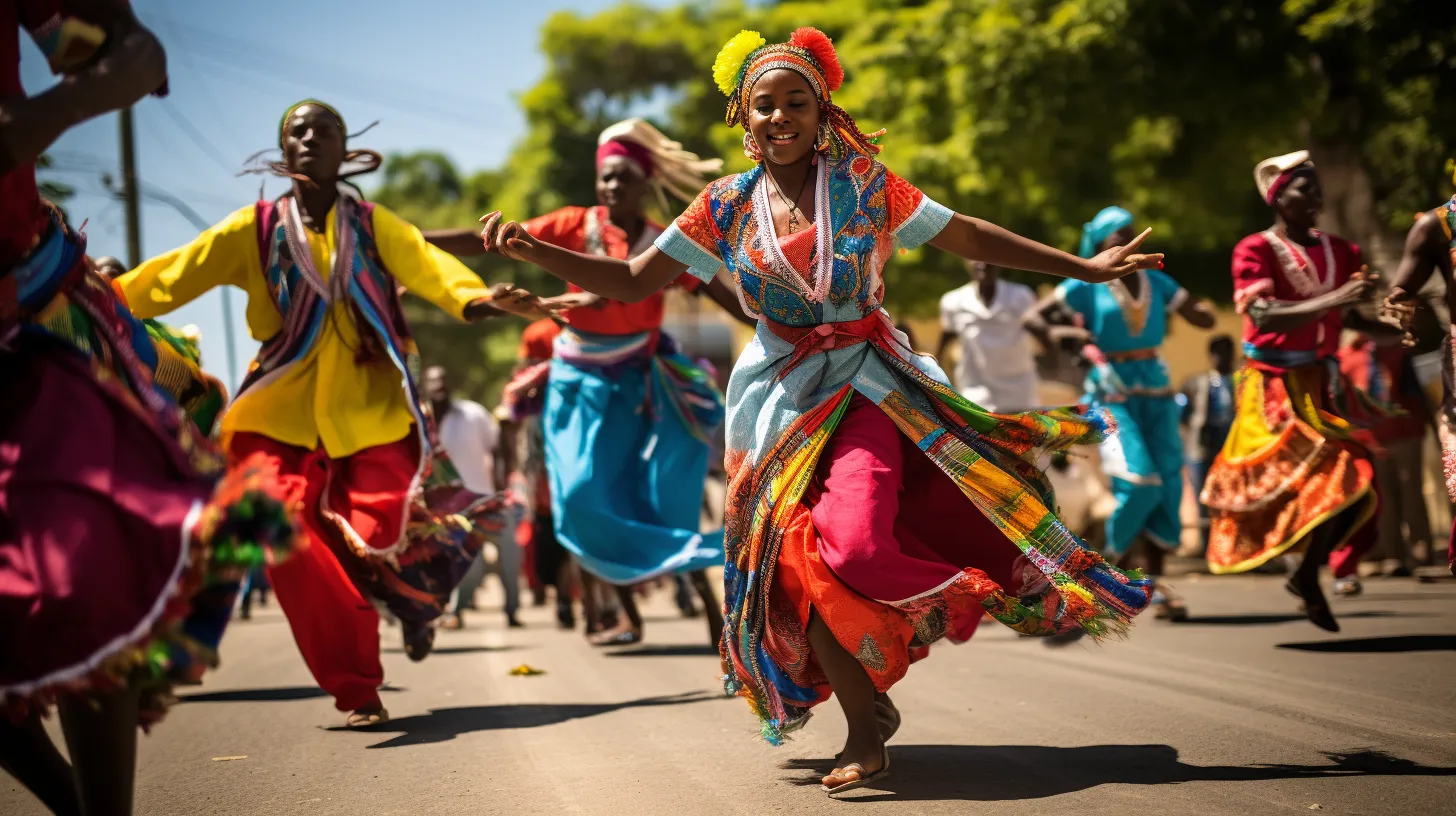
x: 732, y: 56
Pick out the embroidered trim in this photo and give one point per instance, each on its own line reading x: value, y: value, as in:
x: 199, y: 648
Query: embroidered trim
x: 1298, y: 266
x: 816, y: 286
x: 1134, y: 310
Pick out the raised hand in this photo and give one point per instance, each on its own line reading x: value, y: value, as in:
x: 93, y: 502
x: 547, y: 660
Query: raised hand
x: 1122, y: 260
x: 507, y: 238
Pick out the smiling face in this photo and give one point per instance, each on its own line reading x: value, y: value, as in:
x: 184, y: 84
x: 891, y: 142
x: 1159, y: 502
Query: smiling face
x: 621, y: 186
x: 313, y: 144
x: 783, y: 116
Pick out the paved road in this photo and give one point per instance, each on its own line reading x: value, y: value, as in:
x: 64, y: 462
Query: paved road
x: 1245, y: 710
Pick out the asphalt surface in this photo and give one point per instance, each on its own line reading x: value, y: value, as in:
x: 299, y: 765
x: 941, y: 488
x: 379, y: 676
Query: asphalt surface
x: 1246, y: 709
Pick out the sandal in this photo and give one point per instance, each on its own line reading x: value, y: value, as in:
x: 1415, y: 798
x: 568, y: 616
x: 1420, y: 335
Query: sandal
x: 367, y: 717
x: 864, y: 779
x: 418, y: 641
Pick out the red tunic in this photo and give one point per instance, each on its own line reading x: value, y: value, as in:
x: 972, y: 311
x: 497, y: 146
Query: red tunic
x: 1258, y: 273
x: 570, y: 228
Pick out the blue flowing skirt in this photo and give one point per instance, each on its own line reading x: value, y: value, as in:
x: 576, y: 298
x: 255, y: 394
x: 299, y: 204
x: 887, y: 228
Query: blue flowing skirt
x: 627, y: 458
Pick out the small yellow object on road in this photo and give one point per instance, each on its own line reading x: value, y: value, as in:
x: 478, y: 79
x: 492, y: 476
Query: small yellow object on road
x: 229, y: 759
x: 525, y: 671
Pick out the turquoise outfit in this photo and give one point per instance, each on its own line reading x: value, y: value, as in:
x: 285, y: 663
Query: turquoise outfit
x: 626, y: 425
x: 1130, y: 380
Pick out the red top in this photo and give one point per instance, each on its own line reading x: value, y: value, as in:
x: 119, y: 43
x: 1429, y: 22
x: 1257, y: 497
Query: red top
x: 1290, y: 272
x: 1380, y: 371
x: 570, y: 228
x: 536, y: 340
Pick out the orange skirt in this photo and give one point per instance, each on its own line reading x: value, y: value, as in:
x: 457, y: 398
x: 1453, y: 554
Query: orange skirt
x: 1293, y: 462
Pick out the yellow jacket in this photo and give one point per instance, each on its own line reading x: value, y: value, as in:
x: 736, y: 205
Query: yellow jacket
x: 329, y: 397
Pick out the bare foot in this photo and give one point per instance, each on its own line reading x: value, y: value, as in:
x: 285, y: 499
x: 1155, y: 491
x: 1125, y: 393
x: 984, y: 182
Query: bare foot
x: 366, y: 717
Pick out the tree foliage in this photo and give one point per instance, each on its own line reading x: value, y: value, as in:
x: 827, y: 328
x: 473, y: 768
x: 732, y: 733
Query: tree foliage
x: 1034, y: 114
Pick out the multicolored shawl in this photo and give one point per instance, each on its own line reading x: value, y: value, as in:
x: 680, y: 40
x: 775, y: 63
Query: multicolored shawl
x: 786, y: 397
x: 446, y: 524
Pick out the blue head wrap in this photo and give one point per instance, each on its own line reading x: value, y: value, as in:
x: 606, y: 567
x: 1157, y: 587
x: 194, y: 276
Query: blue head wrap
x: 1094, y: 232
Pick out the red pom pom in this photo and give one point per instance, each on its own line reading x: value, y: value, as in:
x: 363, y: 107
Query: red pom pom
x: 818, y: 44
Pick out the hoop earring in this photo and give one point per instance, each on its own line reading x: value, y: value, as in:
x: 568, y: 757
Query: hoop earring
x: 822, y: 145
x: 750, y: 147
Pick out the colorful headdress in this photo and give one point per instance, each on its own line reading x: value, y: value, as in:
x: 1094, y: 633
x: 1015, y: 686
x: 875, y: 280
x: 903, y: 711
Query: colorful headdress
x: 666, y: 165
x: 809, y: 53
x: 1272, y: 175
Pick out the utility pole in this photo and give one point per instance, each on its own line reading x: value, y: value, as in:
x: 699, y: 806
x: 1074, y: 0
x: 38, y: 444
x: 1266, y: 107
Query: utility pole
x: 129, y: 196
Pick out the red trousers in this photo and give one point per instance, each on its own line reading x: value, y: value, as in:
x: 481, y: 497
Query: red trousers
x: 335, y: 625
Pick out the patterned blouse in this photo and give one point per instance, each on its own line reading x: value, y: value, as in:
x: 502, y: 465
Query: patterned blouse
x: 870, y: 211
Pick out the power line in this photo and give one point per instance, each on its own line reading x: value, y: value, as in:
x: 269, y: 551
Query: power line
x: 250, y: 50
x: 202, y: 142
x: 409, y: 106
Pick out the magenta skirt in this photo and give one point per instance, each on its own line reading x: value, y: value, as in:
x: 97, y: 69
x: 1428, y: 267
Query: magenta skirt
x: 96, y: 565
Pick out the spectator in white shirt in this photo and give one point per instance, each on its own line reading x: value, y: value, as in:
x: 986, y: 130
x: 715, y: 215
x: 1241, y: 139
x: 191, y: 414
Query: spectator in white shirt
x: 997, y: 368
x: 471, y: 437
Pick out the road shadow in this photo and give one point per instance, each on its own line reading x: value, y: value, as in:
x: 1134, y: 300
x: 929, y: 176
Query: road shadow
x: 672, y: 650
x: 1268, y: 619
x: 445, y: 724
x: 448, y: 650
x: 1378, y: 645
x: 282, y: 694
x: 1019, y: 772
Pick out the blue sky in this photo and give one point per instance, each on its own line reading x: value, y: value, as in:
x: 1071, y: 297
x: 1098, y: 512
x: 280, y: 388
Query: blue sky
x: 437, y: 74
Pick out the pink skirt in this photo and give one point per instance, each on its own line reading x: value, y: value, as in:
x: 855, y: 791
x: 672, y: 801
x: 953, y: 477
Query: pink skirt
x: 96, y: 563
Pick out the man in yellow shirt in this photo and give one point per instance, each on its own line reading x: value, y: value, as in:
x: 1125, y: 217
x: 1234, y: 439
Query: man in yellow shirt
x: 331, y: 401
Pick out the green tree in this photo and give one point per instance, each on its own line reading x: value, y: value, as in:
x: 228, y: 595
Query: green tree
x: 1036, y: 113
x: 426, y: 189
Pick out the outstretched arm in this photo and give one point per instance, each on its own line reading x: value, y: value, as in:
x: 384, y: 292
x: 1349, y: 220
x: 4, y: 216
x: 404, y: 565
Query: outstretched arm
x: 1198, y: 313
x: 977, y: 240
x: 462, y: 243
x: 631, y: 281
x: 1285, y: 315
x: 131, y: 65
x: 1425, y: 251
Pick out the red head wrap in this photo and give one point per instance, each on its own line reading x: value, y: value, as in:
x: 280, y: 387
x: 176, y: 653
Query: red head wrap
x: 632, y: 151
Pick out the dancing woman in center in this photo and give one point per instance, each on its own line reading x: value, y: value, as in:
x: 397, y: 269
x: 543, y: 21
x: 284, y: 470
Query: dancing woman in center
x: 871, y: 509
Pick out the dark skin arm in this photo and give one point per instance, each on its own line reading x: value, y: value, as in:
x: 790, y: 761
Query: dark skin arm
x: 1050, y: 335
x: 130, y: 65
x: 1425, y: 252
x: 1285, y: 316
x: 1197, y: 313
x: 635, y: 280
x: 462, y: 243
